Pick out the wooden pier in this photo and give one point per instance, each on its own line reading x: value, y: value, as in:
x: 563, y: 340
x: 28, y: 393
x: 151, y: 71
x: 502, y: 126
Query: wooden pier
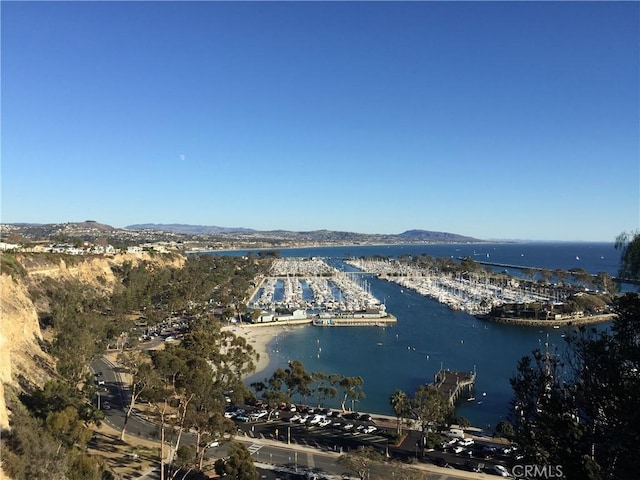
x: 453, y: 384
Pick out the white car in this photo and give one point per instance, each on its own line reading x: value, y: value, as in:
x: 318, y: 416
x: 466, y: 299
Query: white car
x: 304, y: 418
x: 500, y: 470
x: 214, y: 443
x: 317, y: 419
x: 465, y: 442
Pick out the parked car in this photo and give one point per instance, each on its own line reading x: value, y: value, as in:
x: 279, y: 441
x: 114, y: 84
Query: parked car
x: 213, y: 443
x: 106, y: 405
x: 324, y: 423
x: 500, y: 470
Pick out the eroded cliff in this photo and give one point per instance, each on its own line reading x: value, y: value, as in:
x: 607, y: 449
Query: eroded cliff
x: 22, y: 361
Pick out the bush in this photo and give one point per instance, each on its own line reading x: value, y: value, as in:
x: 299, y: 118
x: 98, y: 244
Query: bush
x: 10, y: 265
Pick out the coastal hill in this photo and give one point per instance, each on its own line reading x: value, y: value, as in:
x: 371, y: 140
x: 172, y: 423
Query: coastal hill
x: 320, y: 236
x: 194, y: 237
x: 24, y: 280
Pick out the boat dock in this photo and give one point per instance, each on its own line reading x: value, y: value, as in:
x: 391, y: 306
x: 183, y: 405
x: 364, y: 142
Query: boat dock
x: 355, y: 322
x: 453, y: 384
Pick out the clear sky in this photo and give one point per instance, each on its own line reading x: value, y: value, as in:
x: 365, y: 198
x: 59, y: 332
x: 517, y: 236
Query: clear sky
x: 488, y: 119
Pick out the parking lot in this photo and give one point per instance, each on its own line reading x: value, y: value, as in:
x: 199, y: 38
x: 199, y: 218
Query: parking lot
x: 334, y: 431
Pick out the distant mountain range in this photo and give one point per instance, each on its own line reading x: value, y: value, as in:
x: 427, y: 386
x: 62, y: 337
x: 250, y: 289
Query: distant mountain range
x: 410, y: 236
x: 188, y: 229
x: 201, y: 236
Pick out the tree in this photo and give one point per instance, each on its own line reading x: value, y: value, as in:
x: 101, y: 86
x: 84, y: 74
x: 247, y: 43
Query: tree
x: 195, y: 374
x: 29, y: 452
x: 504, y: 429
x: 238, y: 465
x: 400, y: 403
x: 581, y: 277
x: 361, y: 461
x: 579, y: 410
x: 185, y: 460
x: 605, y: 282
x: 629, y: 246
x: 560, y: 275
x: 430, y: 407
x: 66, y: 426
x: 462, y: 422
x: 284, y: 383
x: 323, y: 387
x: 142, y: 378
x: 351, y: 388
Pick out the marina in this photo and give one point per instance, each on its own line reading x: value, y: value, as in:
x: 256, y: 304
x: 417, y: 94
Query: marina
x: 476, y: 294
x: 311, y: 289
x: 429, y: 334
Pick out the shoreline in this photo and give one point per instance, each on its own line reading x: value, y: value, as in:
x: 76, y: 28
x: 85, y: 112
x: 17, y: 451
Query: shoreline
x: 564, y: 322
x: 347, y: 245
x: 259, y: 337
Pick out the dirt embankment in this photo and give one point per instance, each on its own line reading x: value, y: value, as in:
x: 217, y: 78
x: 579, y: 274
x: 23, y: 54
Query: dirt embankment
x: 21, y: 358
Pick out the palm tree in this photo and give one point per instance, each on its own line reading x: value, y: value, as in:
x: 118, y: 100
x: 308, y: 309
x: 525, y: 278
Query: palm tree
x: 400, y: 403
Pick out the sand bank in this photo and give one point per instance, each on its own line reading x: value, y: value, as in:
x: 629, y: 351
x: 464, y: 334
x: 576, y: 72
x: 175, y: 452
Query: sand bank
x: 259, y: 336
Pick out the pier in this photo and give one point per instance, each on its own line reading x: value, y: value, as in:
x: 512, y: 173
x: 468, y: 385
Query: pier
x: 352, y: 321
x: 453, y: 384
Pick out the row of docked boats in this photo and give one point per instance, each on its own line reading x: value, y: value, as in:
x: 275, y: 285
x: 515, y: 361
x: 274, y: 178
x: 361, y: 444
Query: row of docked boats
x: 476, y: 295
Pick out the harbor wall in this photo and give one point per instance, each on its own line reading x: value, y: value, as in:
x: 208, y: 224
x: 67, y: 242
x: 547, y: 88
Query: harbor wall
x: 564, y: 322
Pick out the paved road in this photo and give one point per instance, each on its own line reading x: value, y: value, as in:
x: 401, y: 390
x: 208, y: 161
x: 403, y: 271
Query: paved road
x: 296, y: 446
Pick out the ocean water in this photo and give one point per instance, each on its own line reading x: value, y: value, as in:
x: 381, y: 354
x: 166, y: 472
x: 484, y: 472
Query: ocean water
x: 430, y: 336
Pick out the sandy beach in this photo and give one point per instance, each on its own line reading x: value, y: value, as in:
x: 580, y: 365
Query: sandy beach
x: 259, y: 337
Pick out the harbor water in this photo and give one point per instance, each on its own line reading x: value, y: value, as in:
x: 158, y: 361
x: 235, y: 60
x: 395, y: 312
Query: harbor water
x: 428, y: 335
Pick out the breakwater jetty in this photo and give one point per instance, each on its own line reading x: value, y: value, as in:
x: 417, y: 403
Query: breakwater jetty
x: 566, y: 321
x: 453, y: 383
x: 524, y: 267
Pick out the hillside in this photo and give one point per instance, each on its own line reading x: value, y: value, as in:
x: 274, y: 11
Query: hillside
x: 22, y: 361
x: 313, y: 236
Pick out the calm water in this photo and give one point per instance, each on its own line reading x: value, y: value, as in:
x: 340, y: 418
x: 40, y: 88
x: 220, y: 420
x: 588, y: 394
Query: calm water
x: 428, y: 335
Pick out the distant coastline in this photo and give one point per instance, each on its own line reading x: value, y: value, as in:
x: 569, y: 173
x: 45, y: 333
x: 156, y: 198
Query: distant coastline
x: 348, y: 245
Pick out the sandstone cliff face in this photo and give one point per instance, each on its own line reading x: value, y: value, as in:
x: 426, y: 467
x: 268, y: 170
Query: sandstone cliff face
x: 19, y: 333
x: 94, y: 271
x: 20, y: 354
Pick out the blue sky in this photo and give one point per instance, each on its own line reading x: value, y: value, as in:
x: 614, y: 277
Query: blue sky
x: 488, y: 119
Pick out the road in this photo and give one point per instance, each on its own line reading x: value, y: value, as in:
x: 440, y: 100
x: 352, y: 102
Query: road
x: 295, y: 447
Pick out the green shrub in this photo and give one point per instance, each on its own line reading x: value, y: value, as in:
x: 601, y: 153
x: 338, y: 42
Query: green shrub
x: 11, y: 266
